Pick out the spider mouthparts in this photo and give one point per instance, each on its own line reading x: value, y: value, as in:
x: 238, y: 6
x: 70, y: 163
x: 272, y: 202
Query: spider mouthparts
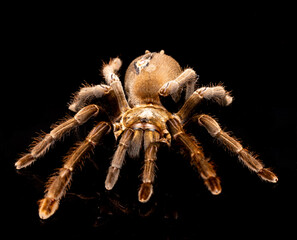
x: 145, y: 192
x: 112, y: 177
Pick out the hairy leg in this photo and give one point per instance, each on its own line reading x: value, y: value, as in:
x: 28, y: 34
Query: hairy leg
x: 198, y: 159
x: 57, y: 185
x: 118, y: 159
x: 187, y: 78
x: 217, y: 94
x: 109, y: 72
x: 235, y: 147
x: 151, y: 147
x: 87, y: 93
x: 136, y: 143
x: 42, y: 145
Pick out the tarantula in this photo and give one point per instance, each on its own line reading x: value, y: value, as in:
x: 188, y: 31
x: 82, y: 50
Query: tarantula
x: 140, y: 122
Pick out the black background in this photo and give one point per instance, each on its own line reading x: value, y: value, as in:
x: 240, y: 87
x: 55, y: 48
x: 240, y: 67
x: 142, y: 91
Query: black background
x: 53, y: 49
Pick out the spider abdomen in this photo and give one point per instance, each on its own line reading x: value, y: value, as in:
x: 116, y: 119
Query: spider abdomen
x: 147, y: 74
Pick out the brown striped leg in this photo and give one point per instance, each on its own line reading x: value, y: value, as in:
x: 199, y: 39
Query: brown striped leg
x: 217, y: 94
x: 136, y: 143
x: 57, y: 185
x: 118, y: 159
x: 234, y: 146
x: 43, y: 144
x: 150, y: 157
x: 187, y: 78
x: 198, y: 160
x: 87, y: 93
x: 110, y: 74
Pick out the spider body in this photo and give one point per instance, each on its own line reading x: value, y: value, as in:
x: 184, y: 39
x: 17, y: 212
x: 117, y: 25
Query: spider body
x: 141, y: 123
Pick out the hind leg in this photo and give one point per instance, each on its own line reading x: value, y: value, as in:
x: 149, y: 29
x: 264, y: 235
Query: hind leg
x: 198, y: 159
x: 58, y: 184
x: 235, y: 147
x: 42, y: 145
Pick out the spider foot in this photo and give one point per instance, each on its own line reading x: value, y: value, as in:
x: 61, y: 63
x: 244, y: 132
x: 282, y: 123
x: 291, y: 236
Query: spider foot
x: 47, y: 207
x: 267, y: 175
x: 217, y: 94
x: 213, y: 184
x: 168, y: 88
x: 24, y: 161
x: 228, y: 100
x: 112, y: 177
x: 145, y: 192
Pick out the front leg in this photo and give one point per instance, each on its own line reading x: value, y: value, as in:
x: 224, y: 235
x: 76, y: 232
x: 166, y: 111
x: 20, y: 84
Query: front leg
x: 87, y: 93
x: 216, y: 93
x: 173, y: 87
x: 151, y: 147
x: 109, y: 72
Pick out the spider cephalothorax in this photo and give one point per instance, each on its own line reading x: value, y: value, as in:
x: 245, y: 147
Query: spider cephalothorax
x: 142, y: 122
